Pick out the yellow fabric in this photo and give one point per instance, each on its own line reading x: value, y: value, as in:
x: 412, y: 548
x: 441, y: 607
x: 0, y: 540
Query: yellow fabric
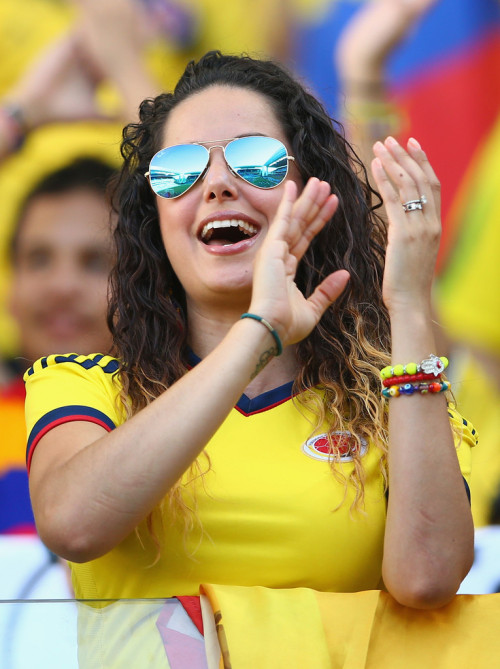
x: 297, y: 628
x: 478, y: 397
x: 267, y: 506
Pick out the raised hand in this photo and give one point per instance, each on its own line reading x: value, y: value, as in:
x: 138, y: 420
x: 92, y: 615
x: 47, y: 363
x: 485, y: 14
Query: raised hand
x: 360, y: 56
x: 413, y: 236
x: 275, y: 294
x: 375, y: 30
x: 112, y: 39
x: 58, y: 87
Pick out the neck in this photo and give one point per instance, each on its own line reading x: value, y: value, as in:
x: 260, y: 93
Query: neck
x: 207, y: 328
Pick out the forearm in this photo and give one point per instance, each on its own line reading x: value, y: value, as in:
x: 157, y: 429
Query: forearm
x: 119, y: 56
x: 361, y: 56
x: 134, y: 84
x: 87, y: 503
x: 429, y: 535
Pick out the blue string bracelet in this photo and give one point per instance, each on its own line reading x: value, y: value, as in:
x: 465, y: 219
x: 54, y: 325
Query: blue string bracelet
x: 268, y: 325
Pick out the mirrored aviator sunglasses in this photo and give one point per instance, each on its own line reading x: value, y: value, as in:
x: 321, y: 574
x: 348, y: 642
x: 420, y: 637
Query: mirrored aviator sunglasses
x: 260, y: 161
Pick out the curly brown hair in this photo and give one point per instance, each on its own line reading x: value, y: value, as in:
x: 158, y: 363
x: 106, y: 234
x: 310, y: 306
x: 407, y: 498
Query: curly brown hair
x: 147, y: 317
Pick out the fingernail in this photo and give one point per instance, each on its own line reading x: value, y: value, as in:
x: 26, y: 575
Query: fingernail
x: 413, y: 142
x: 391, y: 140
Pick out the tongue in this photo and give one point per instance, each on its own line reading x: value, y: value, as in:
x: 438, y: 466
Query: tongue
x: 220, y: 242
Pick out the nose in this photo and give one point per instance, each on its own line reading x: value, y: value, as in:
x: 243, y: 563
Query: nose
x: 64, y: 280
x: 219, y: 182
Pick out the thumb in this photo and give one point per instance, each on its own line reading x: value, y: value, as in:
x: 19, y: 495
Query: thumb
x: 328, y: 291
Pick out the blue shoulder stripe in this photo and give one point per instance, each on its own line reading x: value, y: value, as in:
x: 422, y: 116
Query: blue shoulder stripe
x: 87, y: 363
x: 65, y: 415
x: 467, y: 489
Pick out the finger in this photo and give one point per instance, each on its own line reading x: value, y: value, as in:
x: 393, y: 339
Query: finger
x: 301, y: 243
x: 284, y: 213
x: 310, y: 202
x: 417, y: 153
x: 300, y: 237
x: 313, y: 209
x: 403, y: 181
x: 390, y: 197
x: 328, y: 291
x: 426, y: 182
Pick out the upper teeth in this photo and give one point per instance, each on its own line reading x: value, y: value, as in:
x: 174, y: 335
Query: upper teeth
x: 245, y: 227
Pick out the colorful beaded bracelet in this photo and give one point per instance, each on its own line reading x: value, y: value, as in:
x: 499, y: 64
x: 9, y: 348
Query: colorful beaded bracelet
x: 409, y: 378
x: 411, y: 388
x: 431, y: 365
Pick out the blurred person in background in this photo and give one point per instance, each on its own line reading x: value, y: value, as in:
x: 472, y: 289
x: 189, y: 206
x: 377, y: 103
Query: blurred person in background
x: 360, y: 56
x: 59, y: 246
x: 60, y: 256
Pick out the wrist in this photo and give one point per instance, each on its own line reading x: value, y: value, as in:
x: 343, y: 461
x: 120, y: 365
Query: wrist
x: 28, y: 104
x: 410, y: 308
x: 272, y: 331
x: 13, y: 126
x: 413, y: 335
x: 255, y: 343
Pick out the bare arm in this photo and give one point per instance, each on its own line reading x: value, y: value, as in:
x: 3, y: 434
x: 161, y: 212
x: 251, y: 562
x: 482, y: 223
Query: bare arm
x: 428, y: 546
x: 90, y: 489
x: 112, y: 37
x: 361, y: 55
x: 56, y: 88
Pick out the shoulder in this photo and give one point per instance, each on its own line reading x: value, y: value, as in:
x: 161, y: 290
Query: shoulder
x: 72, y: 387
x: 96, y: 363
x: 72, y: 381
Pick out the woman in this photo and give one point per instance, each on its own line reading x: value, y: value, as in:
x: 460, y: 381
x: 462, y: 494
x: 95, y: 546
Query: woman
x: 242, y: 279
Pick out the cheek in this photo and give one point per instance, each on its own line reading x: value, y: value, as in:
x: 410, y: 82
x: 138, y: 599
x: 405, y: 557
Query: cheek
x: 97, y: 291
x: 175, y: 219
x: 23, y: 291
x: 269, y: 201
x: 176, y: 234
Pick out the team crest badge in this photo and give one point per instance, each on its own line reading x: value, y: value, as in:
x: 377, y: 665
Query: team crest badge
x: 343, y: 443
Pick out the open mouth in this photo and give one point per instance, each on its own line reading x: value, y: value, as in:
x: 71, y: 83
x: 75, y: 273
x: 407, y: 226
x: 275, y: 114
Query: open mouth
x: 227, y: 232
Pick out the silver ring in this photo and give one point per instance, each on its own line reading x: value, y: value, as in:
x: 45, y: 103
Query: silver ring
x: 412, y: 205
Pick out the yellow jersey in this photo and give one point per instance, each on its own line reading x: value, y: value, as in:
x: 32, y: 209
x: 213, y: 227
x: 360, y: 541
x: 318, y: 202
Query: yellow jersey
x: 271, y: 512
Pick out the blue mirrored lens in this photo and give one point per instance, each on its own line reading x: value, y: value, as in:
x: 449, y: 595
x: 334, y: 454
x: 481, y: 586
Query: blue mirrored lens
x: 261, y: 161
x: 175, y: 169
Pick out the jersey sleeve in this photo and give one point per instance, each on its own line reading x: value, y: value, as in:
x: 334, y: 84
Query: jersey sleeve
x: 466, y: 438
x: 66, y: 388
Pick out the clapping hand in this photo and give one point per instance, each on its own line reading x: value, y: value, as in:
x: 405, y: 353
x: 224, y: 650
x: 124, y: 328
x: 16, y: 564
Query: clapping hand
x: 59, y: 87
x: 414, y: 232
x: 275, y: 294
